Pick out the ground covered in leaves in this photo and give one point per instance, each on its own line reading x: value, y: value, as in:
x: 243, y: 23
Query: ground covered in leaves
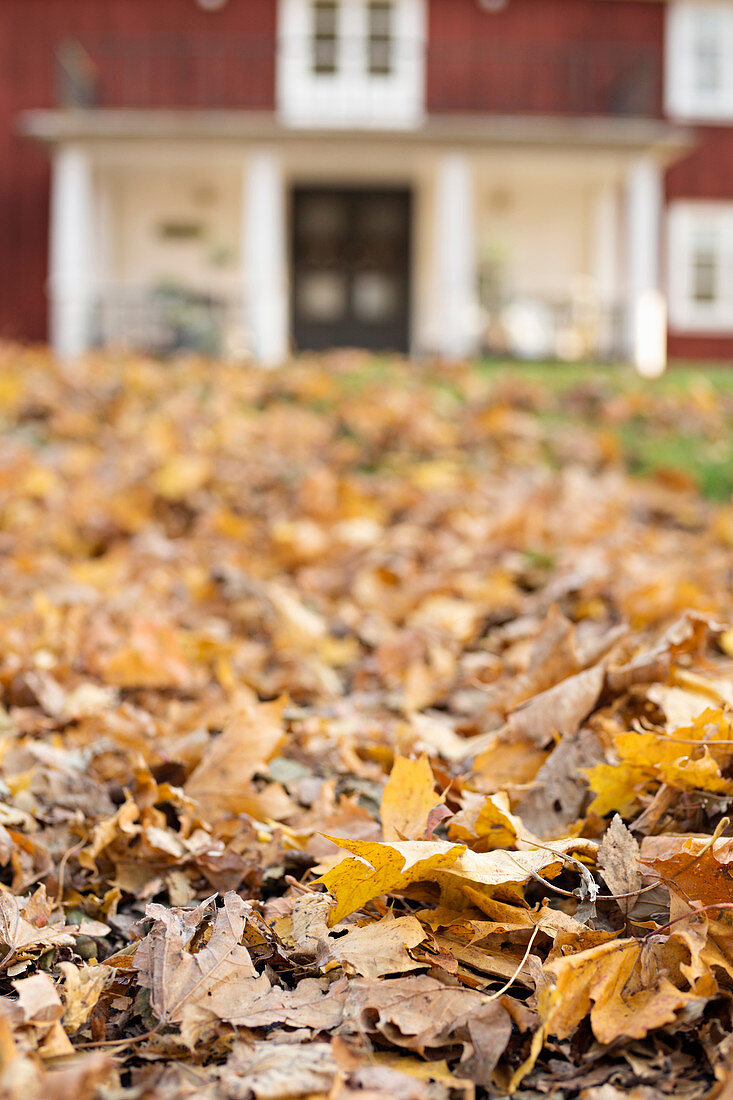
x: 363, y: 733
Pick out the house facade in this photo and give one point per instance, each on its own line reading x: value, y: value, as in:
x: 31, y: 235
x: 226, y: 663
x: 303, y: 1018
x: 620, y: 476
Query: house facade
x: 541, y: 178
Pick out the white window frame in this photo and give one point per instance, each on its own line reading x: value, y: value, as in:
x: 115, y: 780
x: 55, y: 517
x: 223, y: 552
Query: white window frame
x: 689, y: 222
x: 352, y: 97
x: 684, y: 99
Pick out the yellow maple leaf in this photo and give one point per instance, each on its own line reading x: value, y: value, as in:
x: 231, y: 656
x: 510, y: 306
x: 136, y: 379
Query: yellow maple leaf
x: 648, y: 759
x: 391, y: 868
x: 408, y: 798
x: 383, y: 869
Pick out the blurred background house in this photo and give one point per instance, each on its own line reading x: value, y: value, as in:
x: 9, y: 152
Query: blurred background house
x: 531, y: 177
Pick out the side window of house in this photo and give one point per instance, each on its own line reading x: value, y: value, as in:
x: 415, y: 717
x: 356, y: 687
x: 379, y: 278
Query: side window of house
x: 699, y: 60
x: 701, y: 266
x: 705, y: 266
x: 351, y: 62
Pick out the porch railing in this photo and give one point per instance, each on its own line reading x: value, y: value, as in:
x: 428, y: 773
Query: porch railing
x: 209, y: 72
x: 164, y: 321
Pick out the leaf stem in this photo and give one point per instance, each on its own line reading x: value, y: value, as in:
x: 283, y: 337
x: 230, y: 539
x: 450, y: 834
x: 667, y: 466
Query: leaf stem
x: 686, y: 916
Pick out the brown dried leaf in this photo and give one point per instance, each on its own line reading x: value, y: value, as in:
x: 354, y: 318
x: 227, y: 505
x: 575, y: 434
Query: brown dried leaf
x: 618, y: 861
x: 219, y: 977
x: 220, y: 782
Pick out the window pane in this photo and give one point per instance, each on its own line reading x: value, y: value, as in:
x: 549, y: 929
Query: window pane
x: 321, y: 296
x: 707, y: 52
x: 705, y: 268
x: 324, y: 36
x: 705, y: 277
x: 380, y: 18
x: 380, y: 37
x: 376, y: 297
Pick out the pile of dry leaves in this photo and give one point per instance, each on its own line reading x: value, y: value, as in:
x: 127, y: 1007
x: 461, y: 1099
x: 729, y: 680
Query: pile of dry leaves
x: 361, y: 735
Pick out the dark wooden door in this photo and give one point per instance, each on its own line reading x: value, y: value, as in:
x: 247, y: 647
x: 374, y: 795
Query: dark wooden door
x: 351, y: 268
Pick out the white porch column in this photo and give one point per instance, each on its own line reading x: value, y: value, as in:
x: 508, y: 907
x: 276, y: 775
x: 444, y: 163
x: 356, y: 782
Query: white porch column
x: 605, y: 266
x: 646, y: 305
x: 264, y: 258
x: 71, y: 279
x: 456, y: 329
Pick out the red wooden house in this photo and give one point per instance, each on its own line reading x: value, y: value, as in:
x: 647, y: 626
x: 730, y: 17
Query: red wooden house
x: 444, y: 176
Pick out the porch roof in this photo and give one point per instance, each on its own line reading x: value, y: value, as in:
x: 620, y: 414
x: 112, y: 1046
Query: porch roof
x: 665, y: 140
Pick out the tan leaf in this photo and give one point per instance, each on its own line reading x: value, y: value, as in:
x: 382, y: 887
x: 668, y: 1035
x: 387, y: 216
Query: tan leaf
x: 18, y: 934
x: 219, y: 783
x: 377, y: 949
x: 314, y: 1003
x: 38, y: 998
x: 622, y: 984
x: 618, y: 861
x: 83, y: 987
x: 408, y: 798
x: 219, y: 977
x: 274, y: 1071
x: 559, y: 710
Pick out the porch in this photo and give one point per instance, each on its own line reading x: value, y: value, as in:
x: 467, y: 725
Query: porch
x: 178, y: 232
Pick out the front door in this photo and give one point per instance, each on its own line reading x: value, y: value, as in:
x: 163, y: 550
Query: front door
x: 351, y: 267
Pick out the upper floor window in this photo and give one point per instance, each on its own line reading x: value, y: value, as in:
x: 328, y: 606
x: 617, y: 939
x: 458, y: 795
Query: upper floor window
x: 380, y: 37
x: 699, y: 60
x: 701, y: 266
x: 351, y: 62
x: 325, y: 40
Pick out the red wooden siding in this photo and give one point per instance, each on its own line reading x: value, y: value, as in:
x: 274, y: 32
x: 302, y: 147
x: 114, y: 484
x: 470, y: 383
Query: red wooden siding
x: 707, y: 172
x: 558, y: 56
x: 152, y: 32
x: 718, y: 349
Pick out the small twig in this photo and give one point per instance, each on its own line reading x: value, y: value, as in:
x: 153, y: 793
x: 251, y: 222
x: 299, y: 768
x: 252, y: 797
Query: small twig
x: 517, y: 972
x: 119, y: 1042
x: 572, y: 860
x: 686, y: 916
x: 74, y: 850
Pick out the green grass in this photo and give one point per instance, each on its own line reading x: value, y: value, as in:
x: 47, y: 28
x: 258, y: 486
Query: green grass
x: 677, y: 423
x: 656, y: 436
x: 561, y: 377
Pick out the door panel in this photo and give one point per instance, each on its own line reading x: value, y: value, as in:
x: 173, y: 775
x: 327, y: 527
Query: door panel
x: 350, y: 266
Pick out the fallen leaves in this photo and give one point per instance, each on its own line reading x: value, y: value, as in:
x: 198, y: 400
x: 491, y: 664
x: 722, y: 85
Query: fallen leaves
x: 348, y: 749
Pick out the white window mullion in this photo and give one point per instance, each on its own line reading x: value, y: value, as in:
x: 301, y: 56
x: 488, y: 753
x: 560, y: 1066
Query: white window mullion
x: 352, y: 43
